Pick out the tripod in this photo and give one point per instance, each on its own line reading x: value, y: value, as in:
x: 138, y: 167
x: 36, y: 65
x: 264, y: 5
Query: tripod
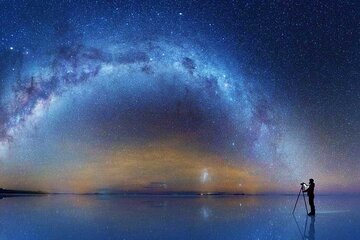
x: 301, y: 188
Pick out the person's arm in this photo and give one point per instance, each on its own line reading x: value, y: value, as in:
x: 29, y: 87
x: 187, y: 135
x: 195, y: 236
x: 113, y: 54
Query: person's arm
x: 310, y: 188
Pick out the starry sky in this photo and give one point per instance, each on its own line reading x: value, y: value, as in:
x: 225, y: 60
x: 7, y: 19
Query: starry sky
x: 231, y: 96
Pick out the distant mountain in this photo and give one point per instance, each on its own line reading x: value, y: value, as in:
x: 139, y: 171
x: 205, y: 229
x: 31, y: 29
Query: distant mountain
x: 18, y: 192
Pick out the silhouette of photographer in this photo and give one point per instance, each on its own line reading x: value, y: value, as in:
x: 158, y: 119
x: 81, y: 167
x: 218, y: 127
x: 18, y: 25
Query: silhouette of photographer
x: 309, y: 189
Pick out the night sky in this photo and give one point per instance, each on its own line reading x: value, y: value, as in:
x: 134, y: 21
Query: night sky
x: 234, y: 96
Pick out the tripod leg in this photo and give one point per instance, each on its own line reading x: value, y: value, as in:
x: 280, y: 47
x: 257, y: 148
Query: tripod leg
x: 296, y: 201
x: 305, y: 204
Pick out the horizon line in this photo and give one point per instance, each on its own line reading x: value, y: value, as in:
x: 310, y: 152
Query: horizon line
x: 4, y: 191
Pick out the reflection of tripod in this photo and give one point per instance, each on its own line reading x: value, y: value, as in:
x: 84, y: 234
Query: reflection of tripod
x: 301, y: 190
x: 311, y: 233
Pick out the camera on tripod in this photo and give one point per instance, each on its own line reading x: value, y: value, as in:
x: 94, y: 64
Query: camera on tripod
x: 302, y: 188
x: 303, y: 185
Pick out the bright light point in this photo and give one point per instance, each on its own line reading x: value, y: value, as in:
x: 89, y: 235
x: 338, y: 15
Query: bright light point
x: 11, y: 48
x: 180, y: 13
x: 204, y: 176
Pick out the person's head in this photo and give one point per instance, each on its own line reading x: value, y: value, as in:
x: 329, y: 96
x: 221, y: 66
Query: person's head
x: 311, y: 180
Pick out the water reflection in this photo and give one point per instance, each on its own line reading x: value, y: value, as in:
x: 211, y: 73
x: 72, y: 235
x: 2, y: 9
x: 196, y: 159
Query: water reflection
x: 308, y: 232
x: 114, y: 217
x: 205, y: 212
x: 311, y: 233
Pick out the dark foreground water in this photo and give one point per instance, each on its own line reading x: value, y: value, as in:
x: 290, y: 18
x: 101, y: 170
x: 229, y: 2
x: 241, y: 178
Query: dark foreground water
x: 115, y: 217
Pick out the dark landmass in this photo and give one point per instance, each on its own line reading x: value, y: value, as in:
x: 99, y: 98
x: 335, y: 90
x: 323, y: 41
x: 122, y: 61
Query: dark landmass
x: 9, y: 192
x: 164, y: 193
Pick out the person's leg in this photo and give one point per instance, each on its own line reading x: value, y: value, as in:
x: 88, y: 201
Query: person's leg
x: 311, y: 203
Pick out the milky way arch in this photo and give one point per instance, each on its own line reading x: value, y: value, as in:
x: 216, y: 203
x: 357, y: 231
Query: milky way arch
x: 197, y: 93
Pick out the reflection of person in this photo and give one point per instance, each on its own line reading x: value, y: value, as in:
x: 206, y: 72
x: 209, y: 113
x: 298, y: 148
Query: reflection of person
x: 311, y: 233
x: 310, y: 192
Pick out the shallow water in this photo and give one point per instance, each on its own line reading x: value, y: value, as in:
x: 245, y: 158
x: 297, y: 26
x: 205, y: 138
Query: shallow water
x: 116, y: 217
